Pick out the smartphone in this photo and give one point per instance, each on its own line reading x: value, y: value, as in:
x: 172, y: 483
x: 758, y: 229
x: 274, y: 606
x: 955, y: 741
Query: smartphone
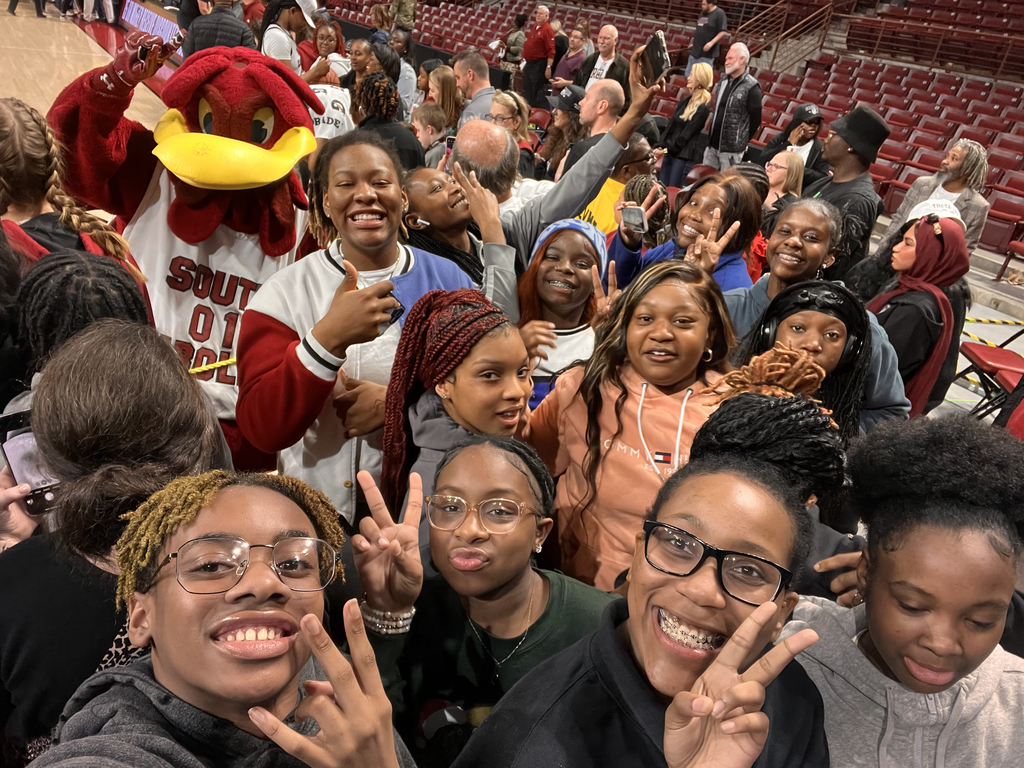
x: 396, y: 313
x: 449, y: 144
x: 634, y: 218
x: 655, y: 59
x: 22, y: 455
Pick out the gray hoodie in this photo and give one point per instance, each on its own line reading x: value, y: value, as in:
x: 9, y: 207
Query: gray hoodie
x: 871, y: 720
x: 123, y: 718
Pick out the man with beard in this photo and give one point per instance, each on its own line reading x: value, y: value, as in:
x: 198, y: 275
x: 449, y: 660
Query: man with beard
x: 737, y: 114
x: 852, y: 145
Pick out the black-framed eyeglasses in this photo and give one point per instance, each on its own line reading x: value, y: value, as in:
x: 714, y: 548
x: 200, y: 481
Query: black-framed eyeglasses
x: 448, y: 513
x: 208, y: 566
x: 498, y: 119
x: 747, y: 578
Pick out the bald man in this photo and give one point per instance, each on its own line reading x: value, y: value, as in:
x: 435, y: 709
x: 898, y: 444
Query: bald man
x: 599, y: 110
x: 605, y: 63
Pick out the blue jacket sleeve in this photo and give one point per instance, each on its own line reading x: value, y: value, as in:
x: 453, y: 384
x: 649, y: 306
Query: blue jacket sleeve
x: 732, y: 273
x: 884, y: 397
x: 629, y: 264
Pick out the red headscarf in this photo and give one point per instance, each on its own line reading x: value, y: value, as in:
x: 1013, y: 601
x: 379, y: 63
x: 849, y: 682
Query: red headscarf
x: 941, y: 259
x: 440, y: 331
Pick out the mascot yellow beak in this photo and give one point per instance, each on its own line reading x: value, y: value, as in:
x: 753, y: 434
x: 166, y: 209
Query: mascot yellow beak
x: 217, y: 162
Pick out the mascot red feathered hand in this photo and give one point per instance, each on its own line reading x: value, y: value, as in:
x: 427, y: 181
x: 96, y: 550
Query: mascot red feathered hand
x: 208, y: 198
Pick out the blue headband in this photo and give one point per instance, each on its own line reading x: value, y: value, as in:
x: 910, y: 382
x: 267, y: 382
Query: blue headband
x: 596, y: 237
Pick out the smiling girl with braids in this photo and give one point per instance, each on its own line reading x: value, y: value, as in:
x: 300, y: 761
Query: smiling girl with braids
x: 38, y: 215
x: 461, y: 368
x: 374, y: 108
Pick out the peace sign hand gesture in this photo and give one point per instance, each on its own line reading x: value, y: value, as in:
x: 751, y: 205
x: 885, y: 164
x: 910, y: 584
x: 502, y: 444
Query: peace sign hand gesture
x: 387, y: 553
x: 352, y: 709
x: 605, y: 303
x: 706, y: 252
x: 719, y: 722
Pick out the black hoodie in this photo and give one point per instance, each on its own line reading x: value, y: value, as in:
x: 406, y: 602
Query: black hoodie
x: 123, y: 718
x: 815, y: 167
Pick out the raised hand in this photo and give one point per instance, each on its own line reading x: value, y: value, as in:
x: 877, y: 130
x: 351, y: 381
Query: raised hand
x: 483, y: 206
x: 719, y: 723
x: 354, y: 719
x: 387, y: 553
x: 538, y: 334
x: 845, y: 584
x: 707, y: 251
x: 651, y: 203
x: 355, y: 314
x: 642, y: 95
x: 316, y: 74
x: 142, y: 56
x: 605, y: 302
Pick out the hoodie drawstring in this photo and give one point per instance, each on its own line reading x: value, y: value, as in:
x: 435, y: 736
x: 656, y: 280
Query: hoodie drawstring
x: 679, y: 430
x: 947, y: 731
x: 890, y: 727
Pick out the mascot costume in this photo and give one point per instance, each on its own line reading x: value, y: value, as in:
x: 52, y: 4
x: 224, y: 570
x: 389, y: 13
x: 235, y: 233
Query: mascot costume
x: 208, y: 201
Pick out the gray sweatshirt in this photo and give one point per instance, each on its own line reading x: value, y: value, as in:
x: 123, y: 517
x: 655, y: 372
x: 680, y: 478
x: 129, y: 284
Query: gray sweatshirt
x: 123, y: 718
x: 872, y: 721
x: 884, y: 397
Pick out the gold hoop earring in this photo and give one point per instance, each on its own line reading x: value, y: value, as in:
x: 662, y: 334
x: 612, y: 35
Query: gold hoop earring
x: 708, y: 354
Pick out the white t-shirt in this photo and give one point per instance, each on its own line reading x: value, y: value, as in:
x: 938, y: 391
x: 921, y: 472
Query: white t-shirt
x: 571, y: 345
x: 335, y: 120
x: 804, y: 151
x: 600, y: 68
x: 278, y: 44
x: 940, y: 193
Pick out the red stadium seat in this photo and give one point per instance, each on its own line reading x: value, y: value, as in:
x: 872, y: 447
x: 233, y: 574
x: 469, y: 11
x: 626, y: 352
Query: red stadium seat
x: 948, y: 100
x: 895, y: 101
x: 900, y: 117
x: 984, y: 108
x: 839, y: 103
x: 881, y: 174
x: 901, y: 132
x: 936, y: 125
x: 1004, y: 219
x: 927, y: 140
x: 1011, y: 182
x: 1009, y: 142
x: 897, y: 151
x: 997, y: 124
x: 928, y: 159
x: 897, y: 188
x: 1005, y: 159
x: 540, y: 118
x: 923, y: 108
x: 961, y: 116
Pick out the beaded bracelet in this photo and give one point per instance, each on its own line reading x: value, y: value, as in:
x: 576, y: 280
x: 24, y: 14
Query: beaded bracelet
x: 386, y: 622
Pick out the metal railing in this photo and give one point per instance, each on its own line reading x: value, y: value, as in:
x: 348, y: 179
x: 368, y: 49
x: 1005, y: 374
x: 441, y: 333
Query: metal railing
x: 928, y: 45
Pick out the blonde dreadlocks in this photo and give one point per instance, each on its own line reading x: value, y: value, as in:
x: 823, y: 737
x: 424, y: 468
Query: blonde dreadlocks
x: 180, y: 502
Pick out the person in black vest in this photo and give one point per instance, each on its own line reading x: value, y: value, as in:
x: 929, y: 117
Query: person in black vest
x: 737, y: 112
x: 852, y: 145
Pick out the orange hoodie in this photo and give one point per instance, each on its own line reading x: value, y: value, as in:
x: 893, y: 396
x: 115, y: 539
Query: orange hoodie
x: 597, y: 541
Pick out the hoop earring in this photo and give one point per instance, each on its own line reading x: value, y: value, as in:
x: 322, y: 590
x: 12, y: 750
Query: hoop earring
x: 708, y: 354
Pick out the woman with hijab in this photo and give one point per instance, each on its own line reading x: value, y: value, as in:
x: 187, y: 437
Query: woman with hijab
x: 921, y: 315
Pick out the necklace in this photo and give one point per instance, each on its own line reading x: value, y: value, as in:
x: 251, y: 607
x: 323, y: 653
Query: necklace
x: 497, y: 664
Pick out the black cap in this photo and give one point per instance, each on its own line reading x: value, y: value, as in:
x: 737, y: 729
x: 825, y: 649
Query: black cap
x: 568, y: 99
x: 864, y: 130
x: 807, y: 113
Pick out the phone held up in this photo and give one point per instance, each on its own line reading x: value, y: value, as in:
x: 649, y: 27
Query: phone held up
x: 635, y: 219
x: 655, y: 59
x: 21, y: 454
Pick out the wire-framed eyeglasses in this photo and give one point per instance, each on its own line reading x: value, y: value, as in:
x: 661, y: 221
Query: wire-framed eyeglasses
x: 748, y: 578
x: 210, y: 565
x: 447, y: 513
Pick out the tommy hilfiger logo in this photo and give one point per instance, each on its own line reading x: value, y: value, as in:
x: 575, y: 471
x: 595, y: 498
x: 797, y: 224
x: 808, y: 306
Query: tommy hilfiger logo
x: 660, y: 457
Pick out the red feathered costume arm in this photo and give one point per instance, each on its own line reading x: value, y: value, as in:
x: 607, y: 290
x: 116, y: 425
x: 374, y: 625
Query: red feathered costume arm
x: 109, y: 158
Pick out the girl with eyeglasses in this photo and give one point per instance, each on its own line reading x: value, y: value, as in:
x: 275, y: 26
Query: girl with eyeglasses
x: 913, y: 674
x: 658, y: 684
x: 451, y: 645
x: 617, y: 426
x: 509, y: 110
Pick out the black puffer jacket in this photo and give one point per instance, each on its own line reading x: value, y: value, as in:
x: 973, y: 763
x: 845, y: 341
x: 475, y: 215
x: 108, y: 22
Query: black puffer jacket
x: 219, y: 27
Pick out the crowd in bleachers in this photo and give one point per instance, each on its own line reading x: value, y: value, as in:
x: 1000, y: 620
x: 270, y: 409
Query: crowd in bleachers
x: 438, y: 386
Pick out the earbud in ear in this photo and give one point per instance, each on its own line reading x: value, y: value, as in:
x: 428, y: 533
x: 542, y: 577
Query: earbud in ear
x: 422, y: 223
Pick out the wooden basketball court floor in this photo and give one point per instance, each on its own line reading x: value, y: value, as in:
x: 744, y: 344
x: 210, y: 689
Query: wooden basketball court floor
x: 39, y: 57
